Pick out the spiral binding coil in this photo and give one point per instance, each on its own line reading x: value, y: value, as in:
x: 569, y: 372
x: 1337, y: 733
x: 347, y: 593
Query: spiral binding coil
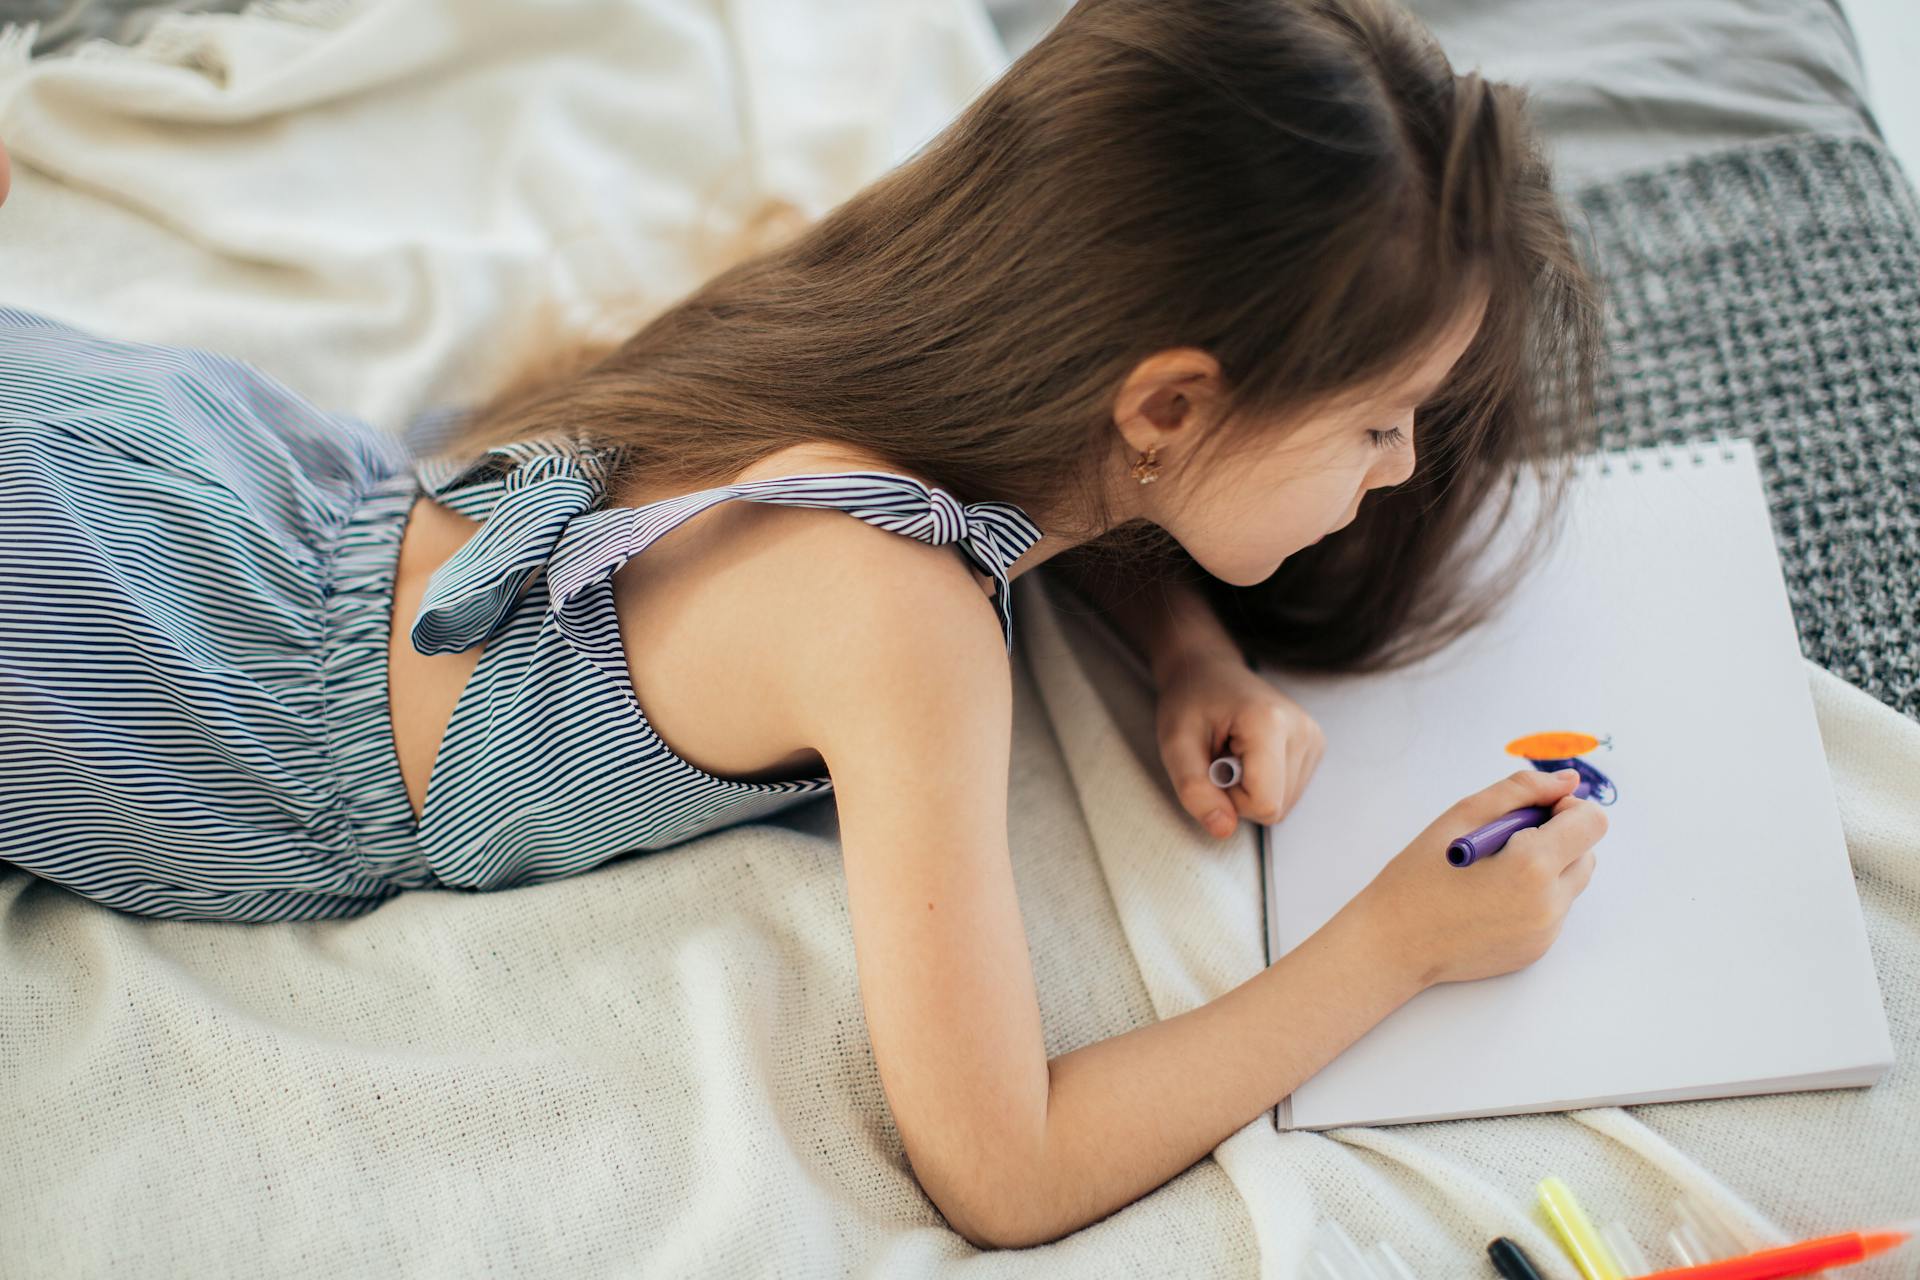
x: 1640, y: 457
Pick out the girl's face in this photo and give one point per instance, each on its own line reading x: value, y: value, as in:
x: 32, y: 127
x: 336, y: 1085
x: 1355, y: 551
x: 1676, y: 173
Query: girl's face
x: 1245, y: 515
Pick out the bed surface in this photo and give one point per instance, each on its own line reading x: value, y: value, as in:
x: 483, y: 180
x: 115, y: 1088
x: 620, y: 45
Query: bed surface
x: 1634, y: 82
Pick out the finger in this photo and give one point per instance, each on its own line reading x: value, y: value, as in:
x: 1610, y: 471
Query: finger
x: 1582, y: 808
x: 1570, y: 804
x: 1578, y: 873
x: 1185, y: 751
x: 1595, y: 815
x: 1518, y: 790
x: 1262, y: 789
x: 1583, y: 822
x: 1299, y: 764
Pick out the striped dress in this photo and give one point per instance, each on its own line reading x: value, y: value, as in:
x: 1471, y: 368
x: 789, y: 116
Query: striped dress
x: 196, y: 582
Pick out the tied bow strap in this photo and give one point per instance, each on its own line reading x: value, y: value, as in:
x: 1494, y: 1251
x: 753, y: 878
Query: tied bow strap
x: 470, y: 596
x: 992, y: 534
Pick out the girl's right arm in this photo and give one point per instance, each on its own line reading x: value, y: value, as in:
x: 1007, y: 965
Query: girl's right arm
x: 908, y: 698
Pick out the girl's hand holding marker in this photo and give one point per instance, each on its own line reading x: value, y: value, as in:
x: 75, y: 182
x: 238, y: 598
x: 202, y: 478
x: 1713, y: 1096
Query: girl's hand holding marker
x: 1508, y: 910
x: 1212, y: 701
x: 1457, y: 928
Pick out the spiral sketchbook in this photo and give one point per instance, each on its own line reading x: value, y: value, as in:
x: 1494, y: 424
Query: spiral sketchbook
x: 1719, y: 948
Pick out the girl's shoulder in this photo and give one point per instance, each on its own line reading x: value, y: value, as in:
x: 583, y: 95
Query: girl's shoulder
x: 723, y: 618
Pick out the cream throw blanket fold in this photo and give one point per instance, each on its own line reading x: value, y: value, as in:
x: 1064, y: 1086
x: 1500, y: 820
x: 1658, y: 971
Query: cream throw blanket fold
x: 661, y: 1067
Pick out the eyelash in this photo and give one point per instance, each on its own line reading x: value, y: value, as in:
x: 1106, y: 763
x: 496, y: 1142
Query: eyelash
x: 1387, y: 439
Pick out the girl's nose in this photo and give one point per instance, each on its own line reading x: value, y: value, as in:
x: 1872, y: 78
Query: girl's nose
x: 1393, y: 471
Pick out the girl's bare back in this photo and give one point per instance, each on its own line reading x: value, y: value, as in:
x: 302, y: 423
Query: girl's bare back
x: 696, y: 612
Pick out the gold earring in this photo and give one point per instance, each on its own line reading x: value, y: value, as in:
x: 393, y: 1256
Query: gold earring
x: 1147, y: 469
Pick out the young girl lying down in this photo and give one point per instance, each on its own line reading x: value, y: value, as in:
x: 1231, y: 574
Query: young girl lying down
x: 1238, y: 307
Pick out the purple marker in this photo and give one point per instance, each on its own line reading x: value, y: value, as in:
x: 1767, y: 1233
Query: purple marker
x: 1487, y: 840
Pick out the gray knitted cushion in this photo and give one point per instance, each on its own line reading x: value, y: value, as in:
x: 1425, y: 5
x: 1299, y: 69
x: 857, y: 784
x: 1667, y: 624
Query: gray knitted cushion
x: 1771, y: 290
x: 66, y: 23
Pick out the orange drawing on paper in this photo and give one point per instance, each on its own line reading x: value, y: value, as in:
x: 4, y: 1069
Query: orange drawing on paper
x: 1562, y: 750
x: 1552, y: 746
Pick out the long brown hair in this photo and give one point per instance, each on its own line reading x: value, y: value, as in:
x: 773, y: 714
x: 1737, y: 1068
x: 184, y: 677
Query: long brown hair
x: 1304, y: 188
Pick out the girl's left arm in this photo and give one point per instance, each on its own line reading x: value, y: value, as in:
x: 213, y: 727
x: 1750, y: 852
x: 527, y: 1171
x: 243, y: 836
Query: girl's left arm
x: 1211, y: 703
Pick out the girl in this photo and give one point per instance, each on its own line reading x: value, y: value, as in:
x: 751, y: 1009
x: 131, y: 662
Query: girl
x: 1253, y: 299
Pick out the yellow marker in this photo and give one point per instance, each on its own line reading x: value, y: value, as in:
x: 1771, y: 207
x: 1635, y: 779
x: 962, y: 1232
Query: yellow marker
x: 1590, y: 1254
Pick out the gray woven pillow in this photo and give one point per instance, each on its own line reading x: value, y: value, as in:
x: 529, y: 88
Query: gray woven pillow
x: 1772, y: 291
x: 64, y: 23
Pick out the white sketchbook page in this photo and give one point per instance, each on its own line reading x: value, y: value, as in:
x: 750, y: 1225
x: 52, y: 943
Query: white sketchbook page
x: 1719, y: 947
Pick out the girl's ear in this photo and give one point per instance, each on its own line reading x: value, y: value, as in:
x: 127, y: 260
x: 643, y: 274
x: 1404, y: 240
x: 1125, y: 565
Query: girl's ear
x: 1167, y: 392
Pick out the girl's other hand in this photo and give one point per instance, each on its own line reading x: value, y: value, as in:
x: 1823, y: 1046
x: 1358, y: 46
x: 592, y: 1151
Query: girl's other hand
x: 1217, y: 705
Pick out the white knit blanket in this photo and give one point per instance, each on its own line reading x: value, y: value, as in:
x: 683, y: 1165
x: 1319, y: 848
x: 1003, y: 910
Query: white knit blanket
x: 661, y: 1067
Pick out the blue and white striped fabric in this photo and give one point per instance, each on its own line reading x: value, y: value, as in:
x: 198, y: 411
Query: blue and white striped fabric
x: 196, y: 574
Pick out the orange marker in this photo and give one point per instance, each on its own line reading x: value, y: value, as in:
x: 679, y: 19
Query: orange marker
x: 1796, y: 1259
